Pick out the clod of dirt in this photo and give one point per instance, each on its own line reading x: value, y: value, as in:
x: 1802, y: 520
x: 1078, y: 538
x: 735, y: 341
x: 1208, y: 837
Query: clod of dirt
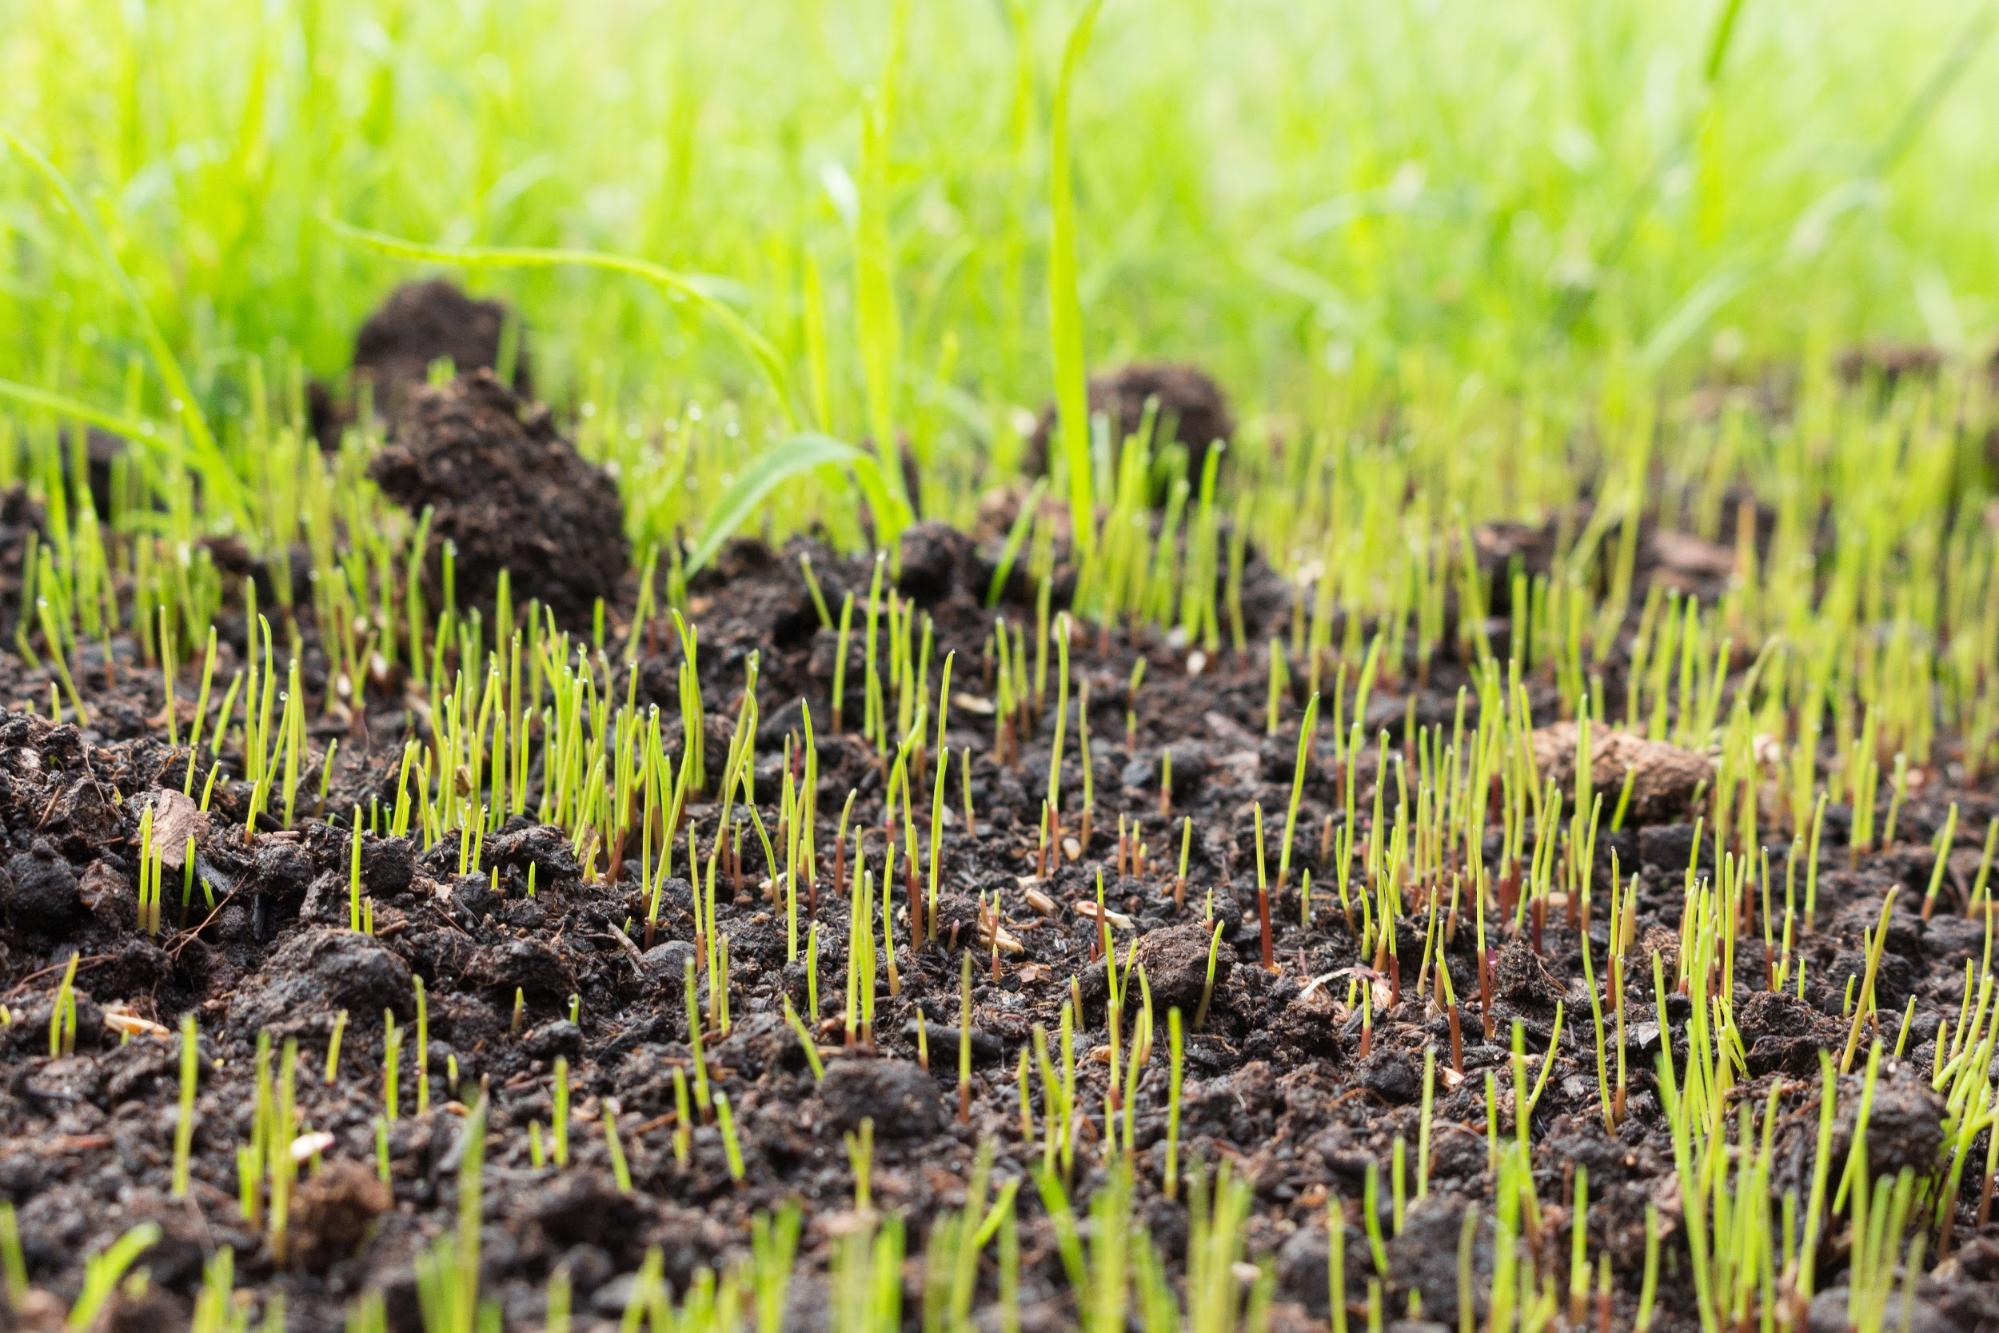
x: 508, y: 493
x: 1192, y: 412
x: 528, y: 966
x: 1389, y: 1076
x: 556, y: 1037
x: 581, y: 1206
x: 280, y: 870
x: 387, y: 865
x: 326, y: 417
x: 1785, y: 1034
x: 1690, y: 564
x: 900, y: 1098
x: 1522, y: 979
x: 1176, y: 965
x: 540, y: 847
x: 1423, y: 1256
x: 100, y: 450
x: 321, y: 971
x: 1669, y: 847
x: 665, y: 965
x: 333, y: 1212
x: 424, y: 322
x: 934, y: 558
x: 1663, y: 777
x: 1504, y: 545
x: 1979, y: 1260
x: 1904, y: 1125
x: 38, y: 890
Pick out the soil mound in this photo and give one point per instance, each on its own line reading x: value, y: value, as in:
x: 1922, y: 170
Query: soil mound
x: 423, y: 322
x: 508, y: 493
x: 1193, y: 411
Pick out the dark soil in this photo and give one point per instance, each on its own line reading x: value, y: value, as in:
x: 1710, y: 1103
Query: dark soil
x: 326, y: 417
x: 508, y: 493
x: 1281, y: 1081
x: 1192, y: 411
x: 1889, y: 364
x: 21, y: 521
x: 423, y: 322
x: 100, y: 449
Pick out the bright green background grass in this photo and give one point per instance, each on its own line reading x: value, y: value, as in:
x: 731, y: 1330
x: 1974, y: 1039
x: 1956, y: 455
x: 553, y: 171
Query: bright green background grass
x: 1283, y: 191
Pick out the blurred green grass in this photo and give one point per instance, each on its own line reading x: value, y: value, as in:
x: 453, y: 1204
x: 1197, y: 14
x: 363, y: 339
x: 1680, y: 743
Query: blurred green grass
x: 1302, y: 197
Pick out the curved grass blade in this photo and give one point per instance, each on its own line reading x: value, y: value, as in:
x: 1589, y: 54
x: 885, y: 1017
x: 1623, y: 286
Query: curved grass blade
x: 1016, y: 537
x: 753, y: 344
x: 141, y: 432
x: 891, y: 513
x: 783, y: 461
x: 207, y: 458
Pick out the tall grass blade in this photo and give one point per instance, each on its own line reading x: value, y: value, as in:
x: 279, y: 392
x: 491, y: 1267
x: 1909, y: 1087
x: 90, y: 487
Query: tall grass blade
x: 1065, y: 305
x: 215, y: 470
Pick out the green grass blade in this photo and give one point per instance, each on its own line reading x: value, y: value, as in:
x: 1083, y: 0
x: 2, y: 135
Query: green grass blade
x: 877, y: 317
x: 783, y: 461
x: 1065, y: 304
x: 1719, y: 40
x: 62, y: 405
x: 215, y: 470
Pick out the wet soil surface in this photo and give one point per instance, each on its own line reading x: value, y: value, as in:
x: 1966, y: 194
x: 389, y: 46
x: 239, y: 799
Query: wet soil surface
x: 1282, y: 1077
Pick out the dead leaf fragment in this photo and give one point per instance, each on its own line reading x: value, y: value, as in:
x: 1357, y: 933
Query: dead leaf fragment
x: 1664, y: 777
x: 176, y: 818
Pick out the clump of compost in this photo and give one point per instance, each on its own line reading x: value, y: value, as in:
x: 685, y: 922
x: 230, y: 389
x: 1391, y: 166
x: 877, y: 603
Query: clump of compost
x: 507, y: 492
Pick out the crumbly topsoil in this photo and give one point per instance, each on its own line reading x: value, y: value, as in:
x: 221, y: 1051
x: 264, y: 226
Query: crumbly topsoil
x: 1281, y: 1080
x: 423, y: 322
x: 508, y: 493
x: 1284, y: 1080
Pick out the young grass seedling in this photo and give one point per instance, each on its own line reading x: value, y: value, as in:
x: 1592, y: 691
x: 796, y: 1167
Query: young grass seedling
x: 190, y: 1073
